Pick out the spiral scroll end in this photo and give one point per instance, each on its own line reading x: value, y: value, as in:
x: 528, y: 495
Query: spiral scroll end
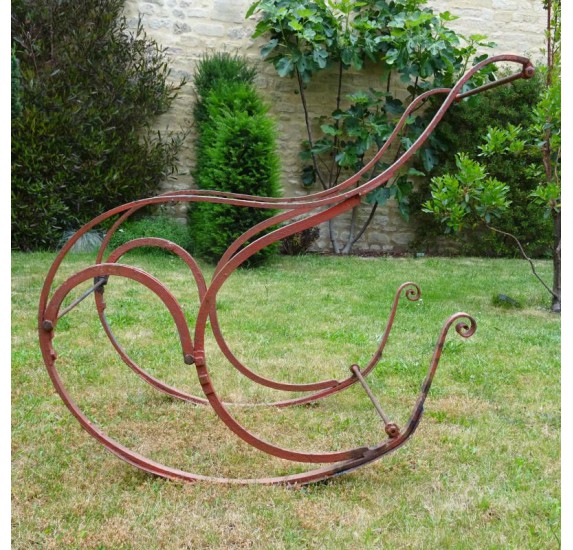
x: 412, y: 291
x: 465, y: 330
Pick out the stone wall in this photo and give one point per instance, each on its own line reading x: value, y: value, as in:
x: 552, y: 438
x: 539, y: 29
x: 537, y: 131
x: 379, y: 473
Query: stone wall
x: 190, y: 28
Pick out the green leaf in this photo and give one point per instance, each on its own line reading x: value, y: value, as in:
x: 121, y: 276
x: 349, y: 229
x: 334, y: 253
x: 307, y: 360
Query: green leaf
x: 414, y: 172
x: 346, y: 159
x: 269, y: 47
x: 379, y: 196
x: 428, y: 159
x: 252, y: 8
x: 447, y: 16
x: 394, y: 106
x: 308, y: 176
x: 330, y: 130
x: 295, y: 25
x: 304, y: 13
x: 322, y: 146
x: 284, y: 67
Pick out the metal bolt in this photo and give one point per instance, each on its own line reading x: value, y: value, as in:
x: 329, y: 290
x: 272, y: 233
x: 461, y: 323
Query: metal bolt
x: 392, y: 430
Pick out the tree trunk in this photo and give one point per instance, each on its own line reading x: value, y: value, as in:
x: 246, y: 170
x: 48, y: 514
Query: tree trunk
x: 556, y: 304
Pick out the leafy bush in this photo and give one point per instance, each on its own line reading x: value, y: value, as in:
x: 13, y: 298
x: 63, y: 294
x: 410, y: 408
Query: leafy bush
x: 83, y: 142
x: 462, y: 130
x: 401, y: 40
x: 300, y: 242
x: 236, y: 152
x: 16, y: 87
x: 152, y: 226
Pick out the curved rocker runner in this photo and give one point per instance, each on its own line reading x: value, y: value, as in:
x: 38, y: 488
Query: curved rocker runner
x: 296, y: 214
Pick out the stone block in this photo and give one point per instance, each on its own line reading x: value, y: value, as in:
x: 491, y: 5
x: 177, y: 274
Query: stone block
x: 376, y: 237
x: 181, y: 28
x: 229, y: 11
x: 239, y: 33
x: 209, y: 29
x: 157, y: 24
x: 402, y: 238
x: 197, y: 13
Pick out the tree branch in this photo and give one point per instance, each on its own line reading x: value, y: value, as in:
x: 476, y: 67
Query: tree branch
x: 308, y: 127
x: 366, y: 223
x: 525, y: 256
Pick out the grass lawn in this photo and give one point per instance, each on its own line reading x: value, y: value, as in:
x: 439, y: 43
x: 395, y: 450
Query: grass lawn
x: 482, y: 471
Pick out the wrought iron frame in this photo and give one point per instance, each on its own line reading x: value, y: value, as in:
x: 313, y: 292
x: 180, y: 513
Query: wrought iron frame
x: 297, y: 214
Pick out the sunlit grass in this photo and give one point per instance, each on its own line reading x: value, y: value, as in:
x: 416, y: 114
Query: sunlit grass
x: 482, y: 471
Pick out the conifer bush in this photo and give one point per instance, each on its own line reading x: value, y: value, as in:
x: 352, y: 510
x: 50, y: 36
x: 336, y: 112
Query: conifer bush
x: 235, y: 152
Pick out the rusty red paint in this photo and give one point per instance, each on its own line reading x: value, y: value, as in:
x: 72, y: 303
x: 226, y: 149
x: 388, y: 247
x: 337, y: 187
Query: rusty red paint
x: 298, y: 213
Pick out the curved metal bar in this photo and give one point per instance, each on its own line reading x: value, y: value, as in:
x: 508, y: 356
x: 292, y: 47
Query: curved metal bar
x: 48, y: 327
x: 155, y: 468
x: 314, y: 209
x: 465, y: 331
x: 202, y: 288
x: 335, y: 386
x: 412, y: 293
x: 314, y: 475
x: 527, y: 72
x: 104, y: 270
x: 288, y: 204
x: 453, y: 95
x: 101, y: 306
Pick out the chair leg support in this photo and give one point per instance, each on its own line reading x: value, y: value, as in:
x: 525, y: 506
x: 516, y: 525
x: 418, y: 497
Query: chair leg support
x: 391, y: 428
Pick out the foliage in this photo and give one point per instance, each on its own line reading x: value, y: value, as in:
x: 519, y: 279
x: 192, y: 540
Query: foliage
x: 299, y: 243
x: 83, y: 142
x: 452, y: 206
x: 468, y: 196
x: 461, y: 131
x: 16, y: 86
x: 235, y: 152
x: 403, y: 38
x: 215, y: 69
x: 161, y: 226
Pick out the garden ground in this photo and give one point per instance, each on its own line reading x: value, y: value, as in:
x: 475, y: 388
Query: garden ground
x: 482, y: 471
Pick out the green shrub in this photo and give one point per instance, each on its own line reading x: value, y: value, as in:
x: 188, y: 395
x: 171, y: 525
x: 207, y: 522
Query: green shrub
x: 213, y: 70
x: 462, y: 130
x: 160, y: 226
x: 299, y: 243
x: 88, y: 242
x: 83, y: 142
x: 235, y: 152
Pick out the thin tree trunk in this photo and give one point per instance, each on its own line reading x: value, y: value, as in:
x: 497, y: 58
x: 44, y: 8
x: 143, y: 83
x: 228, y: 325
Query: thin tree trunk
x: 335, y: 246
x: 556, y: 304
x: 308, y: 128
